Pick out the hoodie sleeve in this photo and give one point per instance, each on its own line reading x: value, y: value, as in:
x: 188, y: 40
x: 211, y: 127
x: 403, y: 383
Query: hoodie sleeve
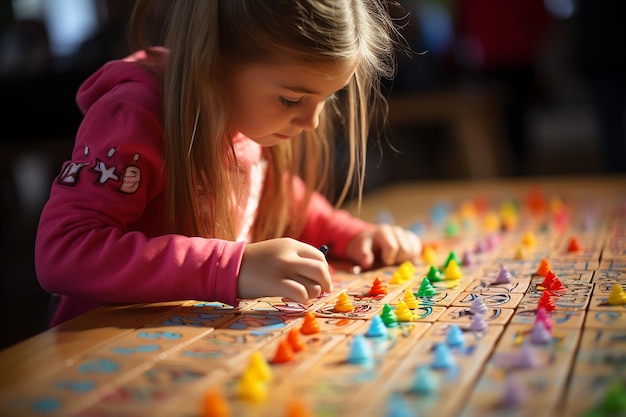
x: 327, y: 225
x: 101, y: 234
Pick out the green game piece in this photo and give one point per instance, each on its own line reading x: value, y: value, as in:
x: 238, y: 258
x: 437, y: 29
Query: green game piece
x: 615, y: 401
x: 389, y: 316
x: 451, y: 256
x: 434, y: 275
x: 452, y: 228
x: 426, y: 289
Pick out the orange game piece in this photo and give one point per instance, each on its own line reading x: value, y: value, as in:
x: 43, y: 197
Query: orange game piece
x: 543, y: 268
x: 343, y: 304
x: 573, y: 245
x: 295, y: 341
x: 310, y: 324
x: 214, y: 404
x: 297, y: 408
x: 546, y: 301
x: 284, y: 352
x: 377, y: 287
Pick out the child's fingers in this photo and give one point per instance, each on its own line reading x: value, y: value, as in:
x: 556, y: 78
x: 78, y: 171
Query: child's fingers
x: 294, y: 290
x: 388, y: 241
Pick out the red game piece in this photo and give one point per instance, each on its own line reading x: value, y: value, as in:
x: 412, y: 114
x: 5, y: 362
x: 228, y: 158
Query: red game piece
x: 573, y: 245
x: 548, y: 278
x: 546, y: 301
x: 377, y: 287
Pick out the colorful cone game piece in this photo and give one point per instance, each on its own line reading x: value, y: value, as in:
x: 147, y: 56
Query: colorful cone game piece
x: 468, y: 258
x: 284, y: 352
x: 617, y: 297
x: 547, y: 279
x: 377, y: 287
x: 343, y: 304
x: 478, y: 306
x: 492, y: 222
x: 428, y: 255
x: 515, y: 394
x: 556, y: 285
x: 540, y: 334
x: 410, y: 300
x: 388, y: 316
x: 360, y: 351
x: 442, y: 357
x: 481, y: 246
x: 543, y: 316
x: 452, y: 228
x: 433, y: 274
x: 527, y: 357
x: 258, y: 366
x: 451, y: 257
x: 426, y: 289
x: 377, y: 328
x: 453, y: 271
x: 543, y: 268
x: 309, y: 324
x: 403, y: 314
x: 214, y: 404
x: 503, y: 276
x: 398, y: 406
x: 295, y: 341
x: 424, y: 382
x: 455, y: 337
x: 493, y: 241
x: 297, y: 408
x: 546, y: 301
x: 528, y: 239
x: 573, y: 245
x: 520, y: 254
x: 250, y: 388
x: 478, y: 324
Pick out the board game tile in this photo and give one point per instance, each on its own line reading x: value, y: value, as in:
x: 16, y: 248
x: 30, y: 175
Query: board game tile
x: 525, y: 314
x: 544, y: 382
x: 611, y: 277
x: 453, y: 385
x: 463, y: 315
x: 486, y: 286
x: 599, y: 363
x: 559, y: 264
x: 613, y: 265
x: 362, y: 310
x: 277, y: 307
x: 500, y: 300
x: 260, y: 323
x: 598, y: 302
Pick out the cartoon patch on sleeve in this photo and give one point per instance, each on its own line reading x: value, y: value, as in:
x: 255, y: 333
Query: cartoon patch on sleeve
x: 129, y: 182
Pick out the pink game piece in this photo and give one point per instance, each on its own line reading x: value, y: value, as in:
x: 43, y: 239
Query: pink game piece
x: 539, y: 334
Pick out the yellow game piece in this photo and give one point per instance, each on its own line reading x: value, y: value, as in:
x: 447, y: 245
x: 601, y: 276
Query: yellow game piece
x: 343, y: 304
x: 452, y: 271
x: 214, y: 404
x: 259, y: 367
x: 492, y: 222
x: 403, y: 313
x: 617, y: 297
x: 429, y: 255
x: 251, y: 388
x: 468, y: 210
x: 410, y: 300
x: 529, y: 239
x: 519, y: 254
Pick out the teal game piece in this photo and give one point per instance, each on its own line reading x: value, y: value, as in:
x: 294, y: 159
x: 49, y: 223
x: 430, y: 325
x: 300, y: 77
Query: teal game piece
x: 442, y: 357
x: 455, y: 337
x: 360, y: 351
x: 377, y: 328
x: 424, y: 382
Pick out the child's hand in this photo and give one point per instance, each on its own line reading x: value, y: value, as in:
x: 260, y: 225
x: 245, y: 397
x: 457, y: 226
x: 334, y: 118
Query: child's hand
x: 388, y: 244
x: 283, y: 267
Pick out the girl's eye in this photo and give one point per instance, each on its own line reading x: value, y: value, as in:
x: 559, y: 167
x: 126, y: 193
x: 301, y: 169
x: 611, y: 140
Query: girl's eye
x: 290, y: 102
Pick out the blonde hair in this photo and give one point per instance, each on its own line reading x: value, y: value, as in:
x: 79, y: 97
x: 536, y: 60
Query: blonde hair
x: 199, y: 157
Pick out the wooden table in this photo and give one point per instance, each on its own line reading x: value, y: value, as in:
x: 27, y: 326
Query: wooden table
x: 161, y: 359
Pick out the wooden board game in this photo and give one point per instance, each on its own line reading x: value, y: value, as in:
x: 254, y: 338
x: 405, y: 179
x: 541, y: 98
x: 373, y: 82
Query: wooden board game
x: 523, y: 314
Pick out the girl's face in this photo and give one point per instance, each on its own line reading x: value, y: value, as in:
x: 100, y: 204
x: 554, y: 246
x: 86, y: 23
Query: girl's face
x: 272, y: 103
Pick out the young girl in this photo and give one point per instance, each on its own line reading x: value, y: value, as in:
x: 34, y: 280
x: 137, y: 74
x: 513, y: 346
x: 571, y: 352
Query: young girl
x: 198, y: 169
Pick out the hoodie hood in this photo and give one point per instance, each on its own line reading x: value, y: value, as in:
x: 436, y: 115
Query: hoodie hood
x: 137, y: 68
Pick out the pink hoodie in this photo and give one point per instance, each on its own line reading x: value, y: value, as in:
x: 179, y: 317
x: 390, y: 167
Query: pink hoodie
x: 101, y: 236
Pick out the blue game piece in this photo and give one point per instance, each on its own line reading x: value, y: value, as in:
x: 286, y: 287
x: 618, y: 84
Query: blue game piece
x: 442, y: 357
x: 423, y: 381
x: 455, y: 337
x: 377, y: 328
x: 398, y: 406
x: 360, y: 351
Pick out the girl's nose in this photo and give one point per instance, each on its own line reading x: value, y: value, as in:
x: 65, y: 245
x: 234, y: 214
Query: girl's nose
x: 309, y: 118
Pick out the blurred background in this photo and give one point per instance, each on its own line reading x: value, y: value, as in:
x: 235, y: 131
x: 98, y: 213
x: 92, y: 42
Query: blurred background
x: 494, y: 88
